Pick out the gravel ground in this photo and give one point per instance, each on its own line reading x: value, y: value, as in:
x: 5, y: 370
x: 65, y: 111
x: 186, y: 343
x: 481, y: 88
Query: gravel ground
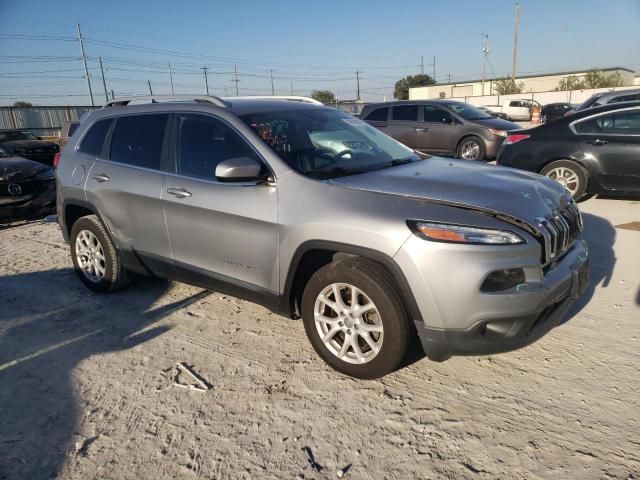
x: 84, y: 382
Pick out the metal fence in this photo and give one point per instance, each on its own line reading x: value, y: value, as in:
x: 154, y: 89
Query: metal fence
x: 42, y: 121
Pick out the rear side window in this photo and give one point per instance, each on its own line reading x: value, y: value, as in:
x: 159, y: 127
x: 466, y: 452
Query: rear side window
x: 137, y: 140
x: 406, y: 112
x: 625, y: 98
x: 622, y: 123
x: 204, y: 142
x: 378, y: 115
x: 93, y: 141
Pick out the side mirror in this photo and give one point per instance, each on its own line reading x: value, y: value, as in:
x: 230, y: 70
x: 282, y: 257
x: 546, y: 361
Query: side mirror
x: 238, y: 169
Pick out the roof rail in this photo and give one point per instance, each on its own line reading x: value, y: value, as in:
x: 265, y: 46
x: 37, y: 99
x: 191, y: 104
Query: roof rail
x: 293, y: 98
x: 123, y: 101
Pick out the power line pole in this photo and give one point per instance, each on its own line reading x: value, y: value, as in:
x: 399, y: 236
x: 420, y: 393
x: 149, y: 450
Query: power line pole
x: 112, y: 95
x: 449, y: 78
x: 206, y: 80
x: 291, y: 87
x: 485, y: 52
x: 84, y: 62
x: 516, y: 23
x: 104, y: 83
x: 357, y: 85
x: 236, y: 79
x: 149, y: 83
x: 273, y: 90
x: 171, y: 79
x: 434, y: 68
x: 422, y: 64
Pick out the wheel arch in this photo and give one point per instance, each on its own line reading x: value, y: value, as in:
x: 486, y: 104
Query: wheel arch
x: 313, y: 254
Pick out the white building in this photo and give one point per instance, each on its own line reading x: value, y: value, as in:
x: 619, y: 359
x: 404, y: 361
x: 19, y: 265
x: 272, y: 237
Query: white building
x: 532, y: 84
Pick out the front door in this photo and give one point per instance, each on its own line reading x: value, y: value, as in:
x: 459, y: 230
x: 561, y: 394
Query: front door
x: 438, y: 130
x: 223, y: 234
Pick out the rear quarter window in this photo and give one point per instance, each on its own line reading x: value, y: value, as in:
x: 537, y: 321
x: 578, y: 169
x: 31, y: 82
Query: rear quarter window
x: 93, y: 140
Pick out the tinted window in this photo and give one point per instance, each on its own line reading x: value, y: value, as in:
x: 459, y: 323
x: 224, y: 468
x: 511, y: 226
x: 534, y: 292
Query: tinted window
x: 623, y: 123
x: 379, y: 115
x: 204, y: 142
x: 92, y: 142
x: 625, y: 98
x: 137, y: 140
x: 406, y: 112
x: 517, y: 103
x: 72, y: 128
x: 436, y: 114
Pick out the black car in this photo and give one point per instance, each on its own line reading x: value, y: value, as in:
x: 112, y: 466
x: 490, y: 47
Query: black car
x: 27, y: 188
x: 593, y: 151
x: 553, y: 111
x: 23, y: 143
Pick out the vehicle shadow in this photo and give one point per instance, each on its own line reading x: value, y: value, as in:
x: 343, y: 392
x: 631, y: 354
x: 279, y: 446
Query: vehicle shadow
x: 50, y: 323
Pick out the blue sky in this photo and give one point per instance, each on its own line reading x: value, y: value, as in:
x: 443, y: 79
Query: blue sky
x: 312, y: 44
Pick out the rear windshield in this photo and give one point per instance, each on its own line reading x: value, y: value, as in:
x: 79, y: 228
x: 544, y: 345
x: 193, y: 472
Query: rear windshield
x: 326, y: 143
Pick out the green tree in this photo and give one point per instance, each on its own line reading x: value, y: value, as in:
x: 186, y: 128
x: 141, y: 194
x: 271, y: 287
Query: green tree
x: 401, y: 90
x: 593, y: 79
x: 507, y: 86
x: 325, y: 96
x: 22, y: 104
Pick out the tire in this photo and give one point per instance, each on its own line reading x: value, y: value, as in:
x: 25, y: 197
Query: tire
x: 388, y: 318
x: 570, y: 171
x: 95, y: 245
x: 479, y: 149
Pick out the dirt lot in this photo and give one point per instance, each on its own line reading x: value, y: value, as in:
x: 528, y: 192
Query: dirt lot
x: 80, y: 374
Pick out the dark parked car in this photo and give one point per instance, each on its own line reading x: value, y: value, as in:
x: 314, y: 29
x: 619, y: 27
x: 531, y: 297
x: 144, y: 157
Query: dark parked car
x: 23, y: 143
x: 27, y: 188
x: 443, y: 127
x: 553, y: 111
x: 605, y: 98
x: 593, y: 151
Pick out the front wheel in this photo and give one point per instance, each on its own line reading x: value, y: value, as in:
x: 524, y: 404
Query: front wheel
x: 355, y: 319
x: 572, y: 176
x: 471, y: 148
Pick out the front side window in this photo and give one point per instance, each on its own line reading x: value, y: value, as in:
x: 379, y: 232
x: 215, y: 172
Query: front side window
x: 378, y: 115
x: 93, y: 140
x: 436, y: 114
x: 407, y: 113
x: 204, y: 142
x: 325, y: 143
x: 621, y: 123
x: 137, y: 140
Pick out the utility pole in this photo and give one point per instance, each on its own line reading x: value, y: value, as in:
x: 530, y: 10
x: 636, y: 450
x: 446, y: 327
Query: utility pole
x: 235, y: 79
x: 516, y: 23
x: 434, y: 68
x: 171, y: 79
x: 422, y: 64
x: 291, y: 87
x: 104, y: 83
x: 206, y: 80
x: 84, y: 62
x: 273, y: 90
x: 149, y: 83
x: 485, y: 52
x: 113, y: 95
x: 357, y: 85
x: 449, y: 78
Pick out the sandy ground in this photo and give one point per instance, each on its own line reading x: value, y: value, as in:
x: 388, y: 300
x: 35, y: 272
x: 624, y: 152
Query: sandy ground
x: 80, y: 374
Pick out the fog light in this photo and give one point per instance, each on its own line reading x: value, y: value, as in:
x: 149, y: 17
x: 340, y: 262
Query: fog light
x: 503, y: 280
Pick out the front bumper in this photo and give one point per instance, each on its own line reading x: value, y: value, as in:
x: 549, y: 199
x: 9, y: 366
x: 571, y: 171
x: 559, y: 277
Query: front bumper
x: 459, y: 319
x: 38, y: 206
x: 492, y: 146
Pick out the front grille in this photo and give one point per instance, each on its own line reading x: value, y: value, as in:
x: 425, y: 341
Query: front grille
x: 559, y: 230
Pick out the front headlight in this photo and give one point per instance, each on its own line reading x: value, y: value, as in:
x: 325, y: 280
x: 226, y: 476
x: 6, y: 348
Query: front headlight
x: 500, y: 133
x: 442, y: 232
x: 46, y: 175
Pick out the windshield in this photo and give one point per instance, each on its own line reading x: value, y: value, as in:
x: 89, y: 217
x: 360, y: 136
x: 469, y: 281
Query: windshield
x: 589, y: 102
x: 11, y: 135
x: 4, y: 153
x: 327, y: 143
x: 466, y: 111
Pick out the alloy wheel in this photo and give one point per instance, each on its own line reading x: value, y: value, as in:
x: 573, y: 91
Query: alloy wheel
x: 565, y: 177
x: 470, y: 150
x: 90, y: 256
x: 348, y: 323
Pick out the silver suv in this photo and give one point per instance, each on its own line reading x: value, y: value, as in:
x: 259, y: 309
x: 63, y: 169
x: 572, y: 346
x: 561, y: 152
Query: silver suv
x: 316, y: 214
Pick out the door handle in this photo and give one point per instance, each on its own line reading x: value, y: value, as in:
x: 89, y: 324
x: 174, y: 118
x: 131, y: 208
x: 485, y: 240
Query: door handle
x: 100, y: 177
x: 178, y: 192
x: 415, y: 129
x: 598, y: 142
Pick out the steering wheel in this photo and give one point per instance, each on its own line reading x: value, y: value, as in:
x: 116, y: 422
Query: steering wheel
x: 341, y: 154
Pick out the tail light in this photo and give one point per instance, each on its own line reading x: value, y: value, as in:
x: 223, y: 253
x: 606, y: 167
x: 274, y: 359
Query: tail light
x: 56, y: 160
x: 515, y: 138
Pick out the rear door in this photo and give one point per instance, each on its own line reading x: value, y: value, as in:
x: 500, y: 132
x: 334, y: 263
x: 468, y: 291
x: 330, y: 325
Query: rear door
x: 404, y: 124
x: 125, y: 185
x: 222, y: 233
x: 439, y: 130
x: 613, y: 139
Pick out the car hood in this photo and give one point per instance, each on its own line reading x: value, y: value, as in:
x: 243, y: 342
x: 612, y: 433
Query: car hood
x: 15, y: 168
x: 497, y: 123
x: 498, y: 190
x: 21, y: 144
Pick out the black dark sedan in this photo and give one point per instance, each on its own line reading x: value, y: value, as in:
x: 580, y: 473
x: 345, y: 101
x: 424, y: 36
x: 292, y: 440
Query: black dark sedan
x: 27, y: 188
x: 23, y: 143
x: 592, y: 151
x: 553, y: 111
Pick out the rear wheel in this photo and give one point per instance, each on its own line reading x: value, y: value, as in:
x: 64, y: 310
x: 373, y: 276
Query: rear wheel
x: 355, y: 319
x: 94, y: 256
x: 471, y: 148
x: 572, y: 176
